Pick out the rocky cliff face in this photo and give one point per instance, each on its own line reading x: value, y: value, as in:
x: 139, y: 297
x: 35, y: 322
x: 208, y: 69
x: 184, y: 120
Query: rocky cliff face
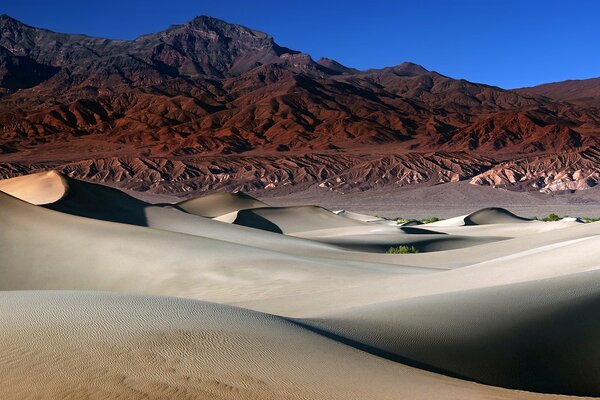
x: 209, y: 105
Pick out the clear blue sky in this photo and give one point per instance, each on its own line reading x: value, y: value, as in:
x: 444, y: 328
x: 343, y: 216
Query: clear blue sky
x: 509, y: 43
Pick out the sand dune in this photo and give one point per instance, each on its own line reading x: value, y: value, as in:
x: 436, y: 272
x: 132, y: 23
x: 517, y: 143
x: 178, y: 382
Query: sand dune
x: 493, y: 215
x: 505, y: 263
x: 321, y: 225
x: 58, y: 192
x: 100, y: 345
x: 61, y: 251
x: 214, y: 205
x: 40, y: 188
x: 513, y: 230
x: 491, y: 298
x: 364, y: 217
x: 485, y: 216
x: 290, y: 220
x: 104, y: 203
x: 539, y: 336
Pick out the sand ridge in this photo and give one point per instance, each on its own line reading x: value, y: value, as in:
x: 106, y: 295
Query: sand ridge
x: 216, y: 204
x: 39, y: 188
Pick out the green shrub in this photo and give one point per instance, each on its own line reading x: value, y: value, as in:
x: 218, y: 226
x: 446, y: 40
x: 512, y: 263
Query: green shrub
x: 430, y: 220
x: 401, y: 220
x: 551, y: 218
x: 402, y: 250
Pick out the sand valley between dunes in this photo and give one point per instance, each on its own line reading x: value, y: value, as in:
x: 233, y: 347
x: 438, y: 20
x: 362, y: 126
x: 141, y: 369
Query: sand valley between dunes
x: 106, y: 296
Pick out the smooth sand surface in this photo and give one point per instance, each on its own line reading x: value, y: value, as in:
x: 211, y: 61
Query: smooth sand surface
x: 491, y: 298
x: 539, y: 335
x: 114, y: 346
x: 537, y: 262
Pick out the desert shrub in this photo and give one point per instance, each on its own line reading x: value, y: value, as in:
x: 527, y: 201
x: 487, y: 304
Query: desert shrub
x: 401, y: 220
x: 402, y: 250
x: 432, y: 219
x: 590, y: 219
x: 551, y: 218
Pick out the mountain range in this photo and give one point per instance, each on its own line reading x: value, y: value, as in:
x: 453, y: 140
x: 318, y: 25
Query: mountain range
x: 210, y: 105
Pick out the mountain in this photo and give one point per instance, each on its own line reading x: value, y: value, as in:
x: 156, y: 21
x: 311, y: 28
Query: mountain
x: 584, y: 91
x: 211, y: 105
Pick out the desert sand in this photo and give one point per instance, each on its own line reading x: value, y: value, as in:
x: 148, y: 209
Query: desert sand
x: 103, y: 295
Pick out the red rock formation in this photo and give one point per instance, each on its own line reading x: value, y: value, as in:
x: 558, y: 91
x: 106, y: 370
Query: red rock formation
x: 209, y: 105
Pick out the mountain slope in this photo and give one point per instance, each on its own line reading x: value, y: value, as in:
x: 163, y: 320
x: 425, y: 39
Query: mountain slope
x: 584, y: 91
x: 209, y: 104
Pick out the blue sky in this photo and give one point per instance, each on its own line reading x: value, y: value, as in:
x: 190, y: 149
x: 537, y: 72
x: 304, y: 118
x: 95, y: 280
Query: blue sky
x: 507, y: 43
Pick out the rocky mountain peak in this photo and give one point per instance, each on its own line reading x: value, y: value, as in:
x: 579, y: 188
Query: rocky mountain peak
x: 7, y: 20
x: 212, y: 47
x: 409, y: 69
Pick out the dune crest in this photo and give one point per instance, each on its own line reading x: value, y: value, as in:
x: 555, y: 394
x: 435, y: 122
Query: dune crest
x: 217, y: 204
x: 484, y: 216
x: 493, y: 215
x: 39, y: 188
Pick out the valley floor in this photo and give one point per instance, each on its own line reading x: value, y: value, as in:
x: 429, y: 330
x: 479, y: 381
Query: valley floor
x: 444, y: 200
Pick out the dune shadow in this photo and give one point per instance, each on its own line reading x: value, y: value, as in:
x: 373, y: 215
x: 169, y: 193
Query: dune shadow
x: 100, y: 202
x: 250, y: 219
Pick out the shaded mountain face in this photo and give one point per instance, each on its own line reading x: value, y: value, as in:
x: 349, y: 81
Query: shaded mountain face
x: 210, y: 105
x: 18, y: 72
